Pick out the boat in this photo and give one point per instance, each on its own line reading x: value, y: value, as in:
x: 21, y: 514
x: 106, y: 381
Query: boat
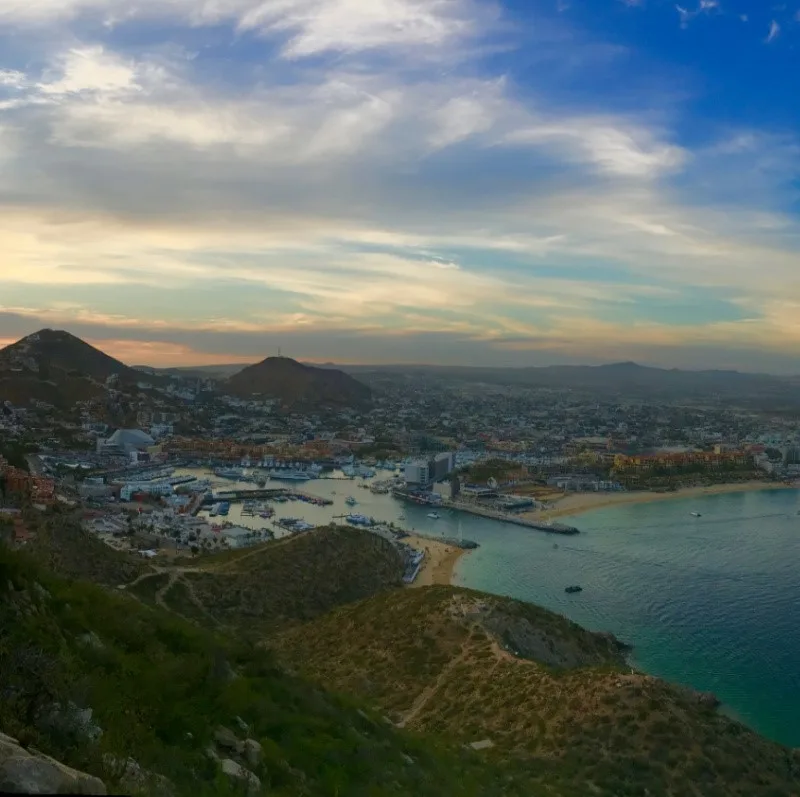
x: 696, y: 514
x: 573, y: 589
x: 291, y: 476
x: 434, y: 515
x: 350, y: 501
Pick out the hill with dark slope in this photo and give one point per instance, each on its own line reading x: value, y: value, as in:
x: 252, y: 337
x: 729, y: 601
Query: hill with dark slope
x: 59, y: 368
x: 281, y: 583
x: 155, y: 706
x: 297, y: 385
x: 555, y: 700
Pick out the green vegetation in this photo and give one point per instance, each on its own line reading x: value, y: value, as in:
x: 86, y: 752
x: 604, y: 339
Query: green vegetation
x: 499, y: 469
x: 558, y: 702
x: 294, y: 579
x: 159, y: 687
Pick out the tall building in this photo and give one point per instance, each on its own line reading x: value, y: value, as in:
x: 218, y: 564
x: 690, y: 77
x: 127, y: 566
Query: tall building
x: 421, y: 474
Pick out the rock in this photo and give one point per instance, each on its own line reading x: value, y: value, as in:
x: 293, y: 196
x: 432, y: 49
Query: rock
x: 212, y: 753
x: 244, y: 776
x: 26, y: 772
x: 73, y: 721
x: 227, y: 739
x: 708, y: 699
x: 484, y: 744
x: 243, y: 726
x: 91, y: 640
x: 133, y: 778
x: 252, y: 752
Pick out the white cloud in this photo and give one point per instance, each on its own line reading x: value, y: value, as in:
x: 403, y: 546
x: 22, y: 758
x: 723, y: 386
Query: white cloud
x: 312, y: 26
x: 774, y: 32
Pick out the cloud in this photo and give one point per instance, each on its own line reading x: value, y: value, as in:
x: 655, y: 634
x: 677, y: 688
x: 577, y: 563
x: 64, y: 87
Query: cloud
x: 774, y: 32
x: 704, y: 7
x: 307, y: 27
x: 313, y: 186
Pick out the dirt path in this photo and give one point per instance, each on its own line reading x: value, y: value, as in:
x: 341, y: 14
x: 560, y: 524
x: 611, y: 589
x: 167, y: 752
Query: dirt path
x: 429, y: 691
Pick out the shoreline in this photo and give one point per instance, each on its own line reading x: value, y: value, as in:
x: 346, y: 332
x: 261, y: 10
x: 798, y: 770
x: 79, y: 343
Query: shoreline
x: 439, y: 564
x: 577, y: 503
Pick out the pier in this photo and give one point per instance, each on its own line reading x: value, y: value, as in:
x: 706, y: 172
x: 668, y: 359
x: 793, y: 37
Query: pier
x: 506, y: 517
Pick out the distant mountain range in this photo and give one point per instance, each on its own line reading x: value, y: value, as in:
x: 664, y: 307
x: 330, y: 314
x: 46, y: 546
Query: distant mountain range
x: 59, y: 368
x: 618, y: 379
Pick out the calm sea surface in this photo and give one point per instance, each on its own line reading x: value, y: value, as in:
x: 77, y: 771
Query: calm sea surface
x: 711, y: 602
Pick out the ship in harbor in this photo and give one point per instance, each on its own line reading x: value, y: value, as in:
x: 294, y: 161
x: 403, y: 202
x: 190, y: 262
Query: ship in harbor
x: 291, y: 475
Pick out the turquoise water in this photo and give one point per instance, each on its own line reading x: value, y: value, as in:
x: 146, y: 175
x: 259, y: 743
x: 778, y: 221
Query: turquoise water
x: 710, y: 602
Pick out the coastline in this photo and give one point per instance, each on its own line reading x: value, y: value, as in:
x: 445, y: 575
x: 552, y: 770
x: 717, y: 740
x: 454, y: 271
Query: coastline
x: 576, y: 503
x: 439, y: 563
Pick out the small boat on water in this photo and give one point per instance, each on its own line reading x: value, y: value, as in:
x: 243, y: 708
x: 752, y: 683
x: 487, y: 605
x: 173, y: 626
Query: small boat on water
x: 434, y: 515
x: 573, y: 589
x: 350, y: 501
x: 696, y: 514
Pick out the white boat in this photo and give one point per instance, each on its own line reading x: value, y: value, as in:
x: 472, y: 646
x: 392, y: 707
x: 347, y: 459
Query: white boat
x: 350, y: 501
x: 696, y: 514
x: 433, y: 515
x: 291, y: 476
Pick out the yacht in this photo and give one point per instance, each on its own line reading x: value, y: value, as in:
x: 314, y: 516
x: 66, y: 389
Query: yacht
x: 434, y: 515
x: 696, y: 514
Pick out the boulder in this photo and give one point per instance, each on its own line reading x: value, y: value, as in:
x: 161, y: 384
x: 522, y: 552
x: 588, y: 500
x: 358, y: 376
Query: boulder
x: 241, y: 775
x: 227, y: 739
x: 252, y: 752
x: 31, y: 772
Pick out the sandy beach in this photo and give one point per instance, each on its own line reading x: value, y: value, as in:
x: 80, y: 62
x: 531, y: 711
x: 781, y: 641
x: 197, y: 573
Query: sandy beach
x: 439, y: 563
x: 575, y: 503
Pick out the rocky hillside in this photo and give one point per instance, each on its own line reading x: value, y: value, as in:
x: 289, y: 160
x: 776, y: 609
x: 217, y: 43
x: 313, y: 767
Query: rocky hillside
x: 557, y: 701
x: 59, y: 368
x: 296, y: 385
x: 151, y: 705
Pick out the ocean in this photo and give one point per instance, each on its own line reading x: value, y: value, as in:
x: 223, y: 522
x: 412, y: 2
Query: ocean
x: 710, y: 602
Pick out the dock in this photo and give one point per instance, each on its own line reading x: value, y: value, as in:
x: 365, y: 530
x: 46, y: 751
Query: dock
x: 506, y: 517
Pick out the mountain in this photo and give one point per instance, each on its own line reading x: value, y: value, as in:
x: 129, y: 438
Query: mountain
x: 57, y: 367
x: 297, y: 385
x: 616, y: 379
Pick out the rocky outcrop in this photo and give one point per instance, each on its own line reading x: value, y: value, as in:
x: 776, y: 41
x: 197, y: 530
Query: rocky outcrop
x: 31, y: 772
x: 235, y: 755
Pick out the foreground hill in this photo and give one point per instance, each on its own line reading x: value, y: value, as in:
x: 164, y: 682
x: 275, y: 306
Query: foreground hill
x: 59, y: 368
x: 554, y: 699
x: 297, y: 385
x: 155, y: 706
x: 277, y: 584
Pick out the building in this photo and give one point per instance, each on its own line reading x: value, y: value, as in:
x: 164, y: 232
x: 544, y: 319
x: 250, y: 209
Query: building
x: 423, y: 473
x: 126, y: 442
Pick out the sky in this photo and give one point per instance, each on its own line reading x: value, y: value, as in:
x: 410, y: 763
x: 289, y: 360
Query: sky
x: 519, y: 182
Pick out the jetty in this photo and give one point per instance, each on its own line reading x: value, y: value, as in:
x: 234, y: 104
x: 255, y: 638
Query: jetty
x: 506, y: 517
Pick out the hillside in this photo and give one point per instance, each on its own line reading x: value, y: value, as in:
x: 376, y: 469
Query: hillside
x: 297, y: 385
x: 555, y: 700
x: 57, y: 367
x: 155, y: 706
x: 279, y: 583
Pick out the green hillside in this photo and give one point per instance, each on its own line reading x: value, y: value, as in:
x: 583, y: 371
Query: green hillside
x: 553, y: 699
x: 159, y: 689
